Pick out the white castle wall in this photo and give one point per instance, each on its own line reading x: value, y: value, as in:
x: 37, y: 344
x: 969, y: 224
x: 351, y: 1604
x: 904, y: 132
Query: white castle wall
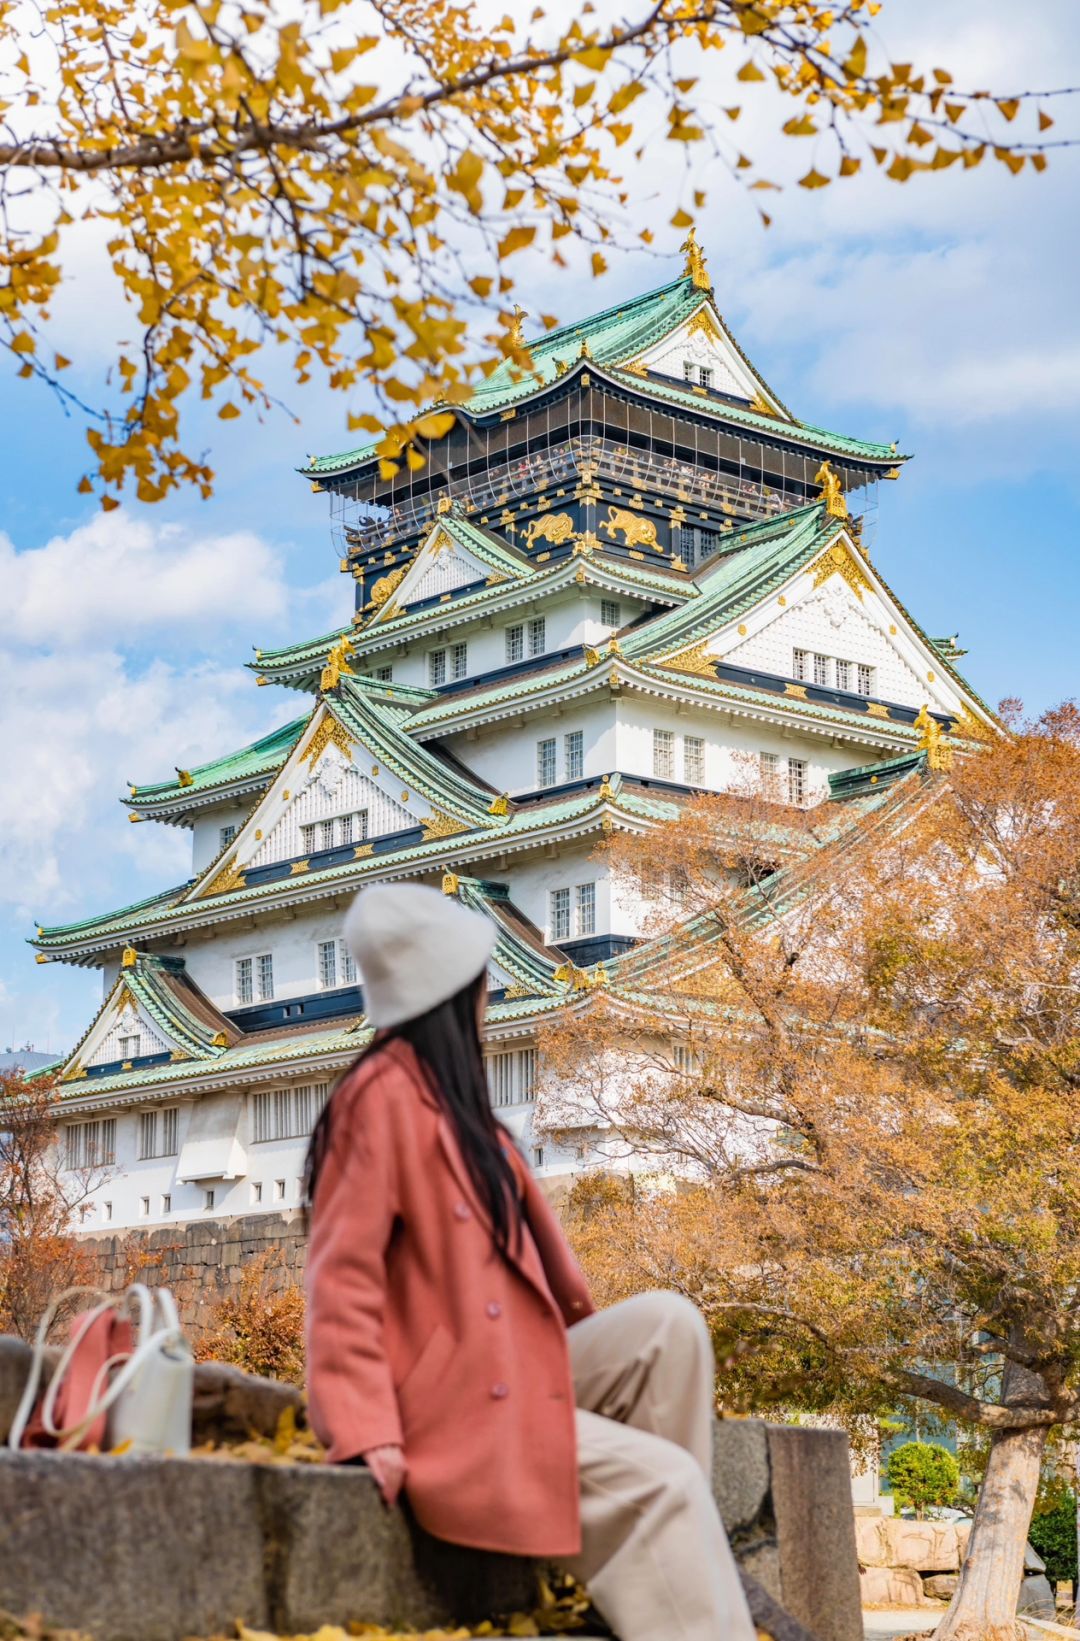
x: 292, y: 941
x: 206, y: 833
x: 504, y: 754
x: 833, y: 622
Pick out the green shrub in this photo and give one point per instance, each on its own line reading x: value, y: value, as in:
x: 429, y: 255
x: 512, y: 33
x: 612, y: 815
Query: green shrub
x: 1053, y: 1536
x: 923, y: 1475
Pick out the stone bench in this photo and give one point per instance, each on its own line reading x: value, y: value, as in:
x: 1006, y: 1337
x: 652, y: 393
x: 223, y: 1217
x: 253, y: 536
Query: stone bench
x: 162, y: 1549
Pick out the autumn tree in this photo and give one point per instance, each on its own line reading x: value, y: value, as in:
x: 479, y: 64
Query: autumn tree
x: 259, y: 1324
x: 849, y: 1076
x: 349, y: 183
x: 40, y: 1198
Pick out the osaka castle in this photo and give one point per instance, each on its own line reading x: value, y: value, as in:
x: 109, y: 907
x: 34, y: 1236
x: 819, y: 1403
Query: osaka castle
x: 621, y: 576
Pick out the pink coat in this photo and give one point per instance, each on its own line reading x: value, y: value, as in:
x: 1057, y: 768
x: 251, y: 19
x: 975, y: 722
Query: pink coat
x: 421, y: 1335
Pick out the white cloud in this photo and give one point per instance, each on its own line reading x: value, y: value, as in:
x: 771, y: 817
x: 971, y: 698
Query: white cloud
x: 117, y: 577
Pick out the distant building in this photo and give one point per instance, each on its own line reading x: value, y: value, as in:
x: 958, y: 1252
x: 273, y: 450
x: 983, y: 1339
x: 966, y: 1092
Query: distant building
x: 615, y: 580
x: 27, y: 1059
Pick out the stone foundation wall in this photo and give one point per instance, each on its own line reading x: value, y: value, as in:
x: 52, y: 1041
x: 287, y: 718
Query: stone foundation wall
x: 201, y: 1259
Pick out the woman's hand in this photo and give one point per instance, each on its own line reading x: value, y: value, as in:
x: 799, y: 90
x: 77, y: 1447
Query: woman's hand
x: 387, y: 1465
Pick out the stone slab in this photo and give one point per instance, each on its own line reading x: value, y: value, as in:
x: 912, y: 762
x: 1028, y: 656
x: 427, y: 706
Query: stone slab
x: 891, y: 1587
x: 740, y: 1472
x: 810, y: 1484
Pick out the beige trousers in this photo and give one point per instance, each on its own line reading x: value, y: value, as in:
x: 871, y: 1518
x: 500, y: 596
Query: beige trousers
x: 654, y: 1555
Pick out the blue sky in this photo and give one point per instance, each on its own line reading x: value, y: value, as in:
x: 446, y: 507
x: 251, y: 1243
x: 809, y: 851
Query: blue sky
x: 941, y: 314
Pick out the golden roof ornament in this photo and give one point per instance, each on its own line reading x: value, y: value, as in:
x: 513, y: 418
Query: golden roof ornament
x: 129, y: 958
x: 583, y: 351
x: 832, y: 491
x: 500, y: 805
x: 337, y: 663
x: 695, y: 268
x: 517, y: 333
x: 184, y: 776
x: 932, y: 741
x: 450, y: 883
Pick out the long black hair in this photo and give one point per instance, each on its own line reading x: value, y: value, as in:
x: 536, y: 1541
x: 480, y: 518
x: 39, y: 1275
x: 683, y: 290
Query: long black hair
x: 446, y: 1040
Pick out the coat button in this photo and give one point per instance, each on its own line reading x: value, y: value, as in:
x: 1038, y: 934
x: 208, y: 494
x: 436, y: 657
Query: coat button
x: 494, y: 1309
x: 462, y: 1210
x: 499, y: 1391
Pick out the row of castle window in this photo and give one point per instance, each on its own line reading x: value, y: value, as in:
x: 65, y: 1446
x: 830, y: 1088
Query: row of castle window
x: 701, y: 375
x: 571, y: 912
x: 335, y: 832
x: 456, y: 655
x: 664, y: 762
x: 254, y: 976
x: 525, y: 637
x: 697, y: 544
x: 547, y: 758
x: 784, y: 780
x: 829, y: 672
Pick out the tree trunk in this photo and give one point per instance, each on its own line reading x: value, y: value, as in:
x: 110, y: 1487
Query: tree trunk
x: 984, y: 1605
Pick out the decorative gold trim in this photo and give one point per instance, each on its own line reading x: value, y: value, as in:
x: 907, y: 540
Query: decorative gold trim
x: 128, y: 958
x: 229, y: 878
x: 329, y: 733
x: 704, y: 321
x: 877, y: 709
x: 613, y: 646
x: 592, y: 657
x: 742, y: 629
x: 177, y: 1054
x: 839, y: 560
x: 832, y: 490
x: 587, y: 543
x: 337, y: 664
x: 635, y: 531
x: 126, y: 1001
x: 451, y: 883
x: 581, y: 979
x: 515, y: 993
x: 299, y: 866
x: 219, y: 1040
x: 797, y: 692
x: 634, y: 368
x: 184, y: 777
x: 697, y: 660
x: 695, y: 268
x: 386, y: 585
x: 439, y: 825
x: 939, y: 755
x: 677, y: 564
x: 500, y: 805
x: 762, y: 406
x: 363, y: 850
x: 554, y: 527
x: 606, y: 789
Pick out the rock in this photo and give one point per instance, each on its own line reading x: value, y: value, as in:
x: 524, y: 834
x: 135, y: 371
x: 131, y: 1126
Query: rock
x: 229, y: 1402
x: 740, y: 1472
x: 1037, y: 1597
x: 924, y: 1546
x: 891, y: 1587
x: 941, y: 1586
x: 871, y: 1544
x: 810, y: 1475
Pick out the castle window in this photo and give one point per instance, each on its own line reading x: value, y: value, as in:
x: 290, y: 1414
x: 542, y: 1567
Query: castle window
x: 704, y: 376
x: 511, y: 1076
x: 326, y: 834
x: 769, y: 766
x: 91, y: 1144
x: 129, y: 1047
x: 800, y: 664
x: 688, y: 370
x: 383, y: 675
x: 559, y: 912
x: 546, y: 774
x: 158, y: 1133
x: 693, y: 760
x: 574, y: 755
x: 536, y: 636
x: 144, y: 1207
x: 208, y: 1199
x: 327, y: 964
x: 255, y: 978
x: 797, y: 783
x: 225, y: 836
x: 436, y: 668
x: 663, y: 754
x: 865, y: 683
x: 609, y: 613
x: 459, y: 660
x: 106, y: 1210
x: 538, y: 1156
x: 279, y: 1190
x: 515, y: 643
x: 821, y: 671
x: 586, y: 908
x: 287, y: 1113
x: 256, y: 1191
x: 843, y: 674
x: 166, y: 1202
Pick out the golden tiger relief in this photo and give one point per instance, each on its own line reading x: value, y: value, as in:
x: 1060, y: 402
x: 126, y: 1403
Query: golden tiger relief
x: 637, y: 531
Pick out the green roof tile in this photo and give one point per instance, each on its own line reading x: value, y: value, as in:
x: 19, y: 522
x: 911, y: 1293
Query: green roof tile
x: 262, y: 757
